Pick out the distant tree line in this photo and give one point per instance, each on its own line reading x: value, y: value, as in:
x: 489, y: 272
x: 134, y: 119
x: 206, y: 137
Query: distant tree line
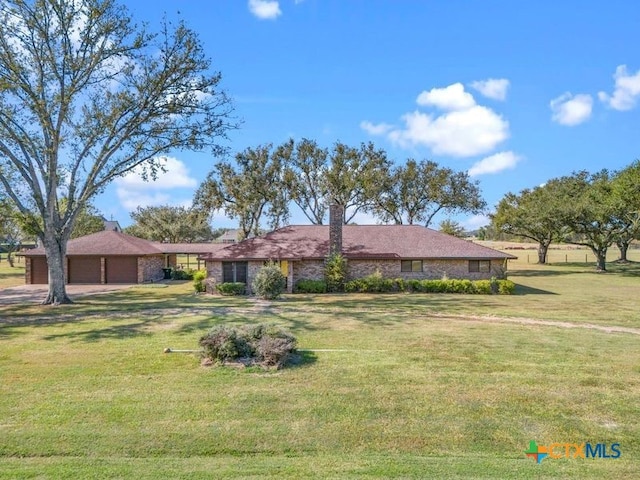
x: 595, y: 210
x: 262, y: 182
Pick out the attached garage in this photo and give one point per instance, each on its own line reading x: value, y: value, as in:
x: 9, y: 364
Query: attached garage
x: 84, y: 269
x: 121, y: 269
x: 39, y: 270
x: 112, y: 257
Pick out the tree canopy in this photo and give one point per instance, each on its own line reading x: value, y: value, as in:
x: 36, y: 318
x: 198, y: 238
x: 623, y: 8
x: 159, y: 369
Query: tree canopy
x: 417, y: 191
x: 535, y: 214
x: 251, y: 189
x: 86, y: 95
x: 169, y: 224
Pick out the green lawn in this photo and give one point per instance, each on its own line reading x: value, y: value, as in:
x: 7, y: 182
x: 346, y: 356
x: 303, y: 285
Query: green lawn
x: 419, y: 386
x: 11, y: 276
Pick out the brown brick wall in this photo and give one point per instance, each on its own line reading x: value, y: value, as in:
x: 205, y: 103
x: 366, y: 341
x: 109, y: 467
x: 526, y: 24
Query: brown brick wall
x: 308, y: 270
x: 431, y: 269
x: 150, y: 268
x: 314, y: 270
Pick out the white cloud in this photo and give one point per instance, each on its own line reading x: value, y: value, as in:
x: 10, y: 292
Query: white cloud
x: 626, y: 92
x: 460, y: 134
x: 475, y: 222
x: 133, y: 191
x: 265, y: 9
x: 448, y: 98
x: 571, y: 110
x: 494, y: 164
x: 176, y: 175
x: 132, y: 199
x: 494, y: 88
x: 465, y: 128
x: 375, y: 129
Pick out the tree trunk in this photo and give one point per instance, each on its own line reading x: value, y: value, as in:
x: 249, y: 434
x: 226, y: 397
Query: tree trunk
x: 56, y: 249
x: 543, y: 247
x: 10, y: 258
x: 601, y: 259
x: 623, y: 246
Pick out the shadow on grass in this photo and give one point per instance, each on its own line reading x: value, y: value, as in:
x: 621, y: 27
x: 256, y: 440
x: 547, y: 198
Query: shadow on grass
x: 526, y: 290
x: 303, y: 358
x: 549, y: 270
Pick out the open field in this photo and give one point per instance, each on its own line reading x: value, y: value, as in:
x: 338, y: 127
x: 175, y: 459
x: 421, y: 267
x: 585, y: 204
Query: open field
x: 10, y: 277
x: 414, y: 386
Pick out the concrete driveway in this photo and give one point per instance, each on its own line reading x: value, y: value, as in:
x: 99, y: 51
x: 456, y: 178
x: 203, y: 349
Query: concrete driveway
x: 37, y: 293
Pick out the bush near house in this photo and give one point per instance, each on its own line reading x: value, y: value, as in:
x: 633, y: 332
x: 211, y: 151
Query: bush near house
x: 310, y: 286
x: 335, y: 272
x: 180, y: 274
x: 269, y: 282
x: 231, y: 288
x: 263, y: 344
x: 199, y: 277
x: 375, y: 283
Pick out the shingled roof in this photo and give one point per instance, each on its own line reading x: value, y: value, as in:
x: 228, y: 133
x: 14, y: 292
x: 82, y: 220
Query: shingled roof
x: 112, y: 243
x: 358, y: 242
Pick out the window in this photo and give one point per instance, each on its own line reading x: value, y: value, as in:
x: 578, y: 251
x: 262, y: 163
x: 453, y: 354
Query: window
x: 479, y: 266
x: 234, y: 272
x: 411, y: 265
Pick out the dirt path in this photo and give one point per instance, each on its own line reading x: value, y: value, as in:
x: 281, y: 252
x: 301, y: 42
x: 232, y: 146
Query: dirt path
x: 534, y: 321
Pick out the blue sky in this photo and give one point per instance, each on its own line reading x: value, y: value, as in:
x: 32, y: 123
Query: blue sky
x: 513, y: 92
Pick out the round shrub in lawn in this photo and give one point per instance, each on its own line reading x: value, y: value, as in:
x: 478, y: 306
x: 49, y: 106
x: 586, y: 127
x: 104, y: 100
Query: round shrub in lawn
x: 269, y: 282
x: 263, y: 344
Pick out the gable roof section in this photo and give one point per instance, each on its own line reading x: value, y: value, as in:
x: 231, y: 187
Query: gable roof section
x: 190, y: 248
x: 107, y: 242
x: 112, y: 243
x: 358, y: 242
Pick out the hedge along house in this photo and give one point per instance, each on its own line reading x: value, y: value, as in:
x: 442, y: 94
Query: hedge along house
x: 396, y: 251
x: 111, y: 257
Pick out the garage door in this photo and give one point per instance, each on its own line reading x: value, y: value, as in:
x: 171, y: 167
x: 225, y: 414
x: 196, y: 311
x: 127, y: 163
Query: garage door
x: 39, y: 270
x: 84, y: 270
x: 122, y: 269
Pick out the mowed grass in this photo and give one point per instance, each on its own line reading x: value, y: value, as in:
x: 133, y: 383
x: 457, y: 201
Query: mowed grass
x: 416, y: 386
x: 11, y: 276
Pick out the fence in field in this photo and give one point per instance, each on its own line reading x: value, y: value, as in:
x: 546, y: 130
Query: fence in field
x: 577, y: 255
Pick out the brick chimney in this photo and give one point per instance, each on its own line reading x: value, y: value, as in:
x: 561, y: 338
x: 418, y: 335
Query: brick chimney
x: 336, y: 219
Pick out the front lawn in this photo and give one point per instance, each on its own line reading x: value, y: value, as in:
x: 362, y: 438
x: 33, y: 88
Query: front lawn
x: 410, y: 386
x: 11, y: 276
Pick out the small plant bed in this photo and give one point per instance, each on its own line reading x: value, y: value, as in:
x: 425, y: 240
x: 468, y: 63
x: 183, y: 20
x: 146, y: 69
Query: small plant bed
x: 264, y: 345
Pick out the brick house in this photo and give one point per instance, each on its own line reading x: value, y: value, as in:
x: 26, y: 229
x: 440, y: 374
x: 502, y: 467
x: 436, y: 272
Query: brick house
x: 397, y: 251
x: 112, y: 257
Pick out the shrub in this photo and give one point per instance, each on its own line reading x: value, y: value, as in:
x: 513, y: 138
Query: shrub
x: 311, y: 286
x: 375, y: 283
x: 198, y: 281
x: 264, y: 344
x: 223, y: 343
x: 180, y: 274
x: 335, y: 272
x: 274, y: 347
x: 506, y: 287
x: 269, y: 282
x: 483, y: 287
x: 231, y: 288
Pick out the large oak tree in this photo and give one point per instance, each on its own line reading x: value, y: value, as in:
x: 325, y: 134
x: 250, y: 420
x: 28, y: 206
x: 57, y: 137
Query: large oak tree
x: 170, y: 224
x: 315, y: 177
x: 536, y: 214
x: 86, y: 95
x: 416, y: 191
x: 249, y: 189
